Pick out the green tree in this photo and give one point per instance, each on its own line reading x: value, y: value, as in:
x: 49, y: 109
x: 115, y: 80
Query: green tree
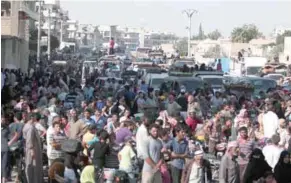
x: 214, y: 35
x: 245, y: 33
x: 55, y: 43
x: 214, y: 52
x: 280, y: 38
x: 182, y: 46
x: 201, y: 35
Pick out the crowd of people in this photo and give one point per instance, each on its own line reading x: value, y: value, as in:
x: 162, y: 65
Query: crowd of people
x: 150, y: 136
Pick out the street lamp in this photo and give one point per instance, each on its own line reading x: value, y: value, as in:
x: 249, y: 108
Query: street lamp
x: 189, y: 13
x: 39, y: 30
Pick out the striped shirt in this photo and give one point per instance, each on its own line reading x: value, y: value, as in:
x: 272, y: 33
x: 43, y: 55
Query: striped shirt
x: 56, y: 139
x: 245, y: 149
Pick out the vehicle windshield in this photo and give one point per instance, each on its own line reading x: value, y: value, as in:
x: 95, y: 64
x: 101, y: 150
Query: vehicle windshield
x: 182, y: 63
x: 253, y: 70
x: 191, y: 85
x: 157, y: 81
x: 275, y: 77
x: 263, y: 84
x: 213, y: 81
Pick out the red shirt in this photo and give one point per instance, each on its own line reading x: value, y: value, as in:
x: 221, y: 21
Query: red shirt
x: 219, y: 67
x: 111, y: 44
x: 192, y: 123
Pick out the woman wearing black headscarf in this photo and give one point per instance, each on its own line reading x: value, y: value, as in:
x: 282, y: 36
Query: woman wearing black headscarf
x: 256, y: 167
x: 282, y: 170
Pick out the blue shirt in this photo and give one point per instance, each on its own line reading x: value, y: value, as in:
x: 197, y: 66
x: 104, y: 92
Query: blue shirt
x: 179, y: 148
x: 100, y: 105
x: 144, y: 87
x: 88, y: 121
x: 129, y: 95
x: 100, y: 123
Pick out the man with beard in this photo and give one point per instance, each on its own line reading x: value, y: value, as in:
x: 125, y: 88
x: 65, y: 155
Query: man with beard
x: 141, y: 137
x: 229, y: 168
x: 152, y: 158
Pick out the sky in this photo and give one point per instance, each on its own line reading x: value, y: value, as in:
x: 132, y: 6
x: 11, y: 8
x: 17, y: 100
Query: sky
x: 167, y: 15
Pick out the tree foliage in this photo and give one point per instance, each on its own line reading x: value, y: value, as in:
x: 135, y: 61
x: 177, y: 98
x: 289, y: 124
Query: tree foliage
x: 182, y: 46
x: 280, y: 38
x: 214, y: 35
x: 245, y: 33
x: 214, y: 52
x: 33, y: 35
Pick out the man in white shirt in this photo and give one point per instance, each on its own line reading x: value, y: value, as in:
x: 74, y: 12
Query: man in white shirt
x: 272, y: 151
x: 142, y: 136
x: 270, y: 122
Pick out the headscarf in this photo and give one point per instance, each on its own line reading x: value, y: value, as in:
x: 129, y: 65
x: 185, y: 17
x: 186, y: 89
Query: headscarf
x: 87, y: 174
x: 281, y: 159
x: 256, y: 167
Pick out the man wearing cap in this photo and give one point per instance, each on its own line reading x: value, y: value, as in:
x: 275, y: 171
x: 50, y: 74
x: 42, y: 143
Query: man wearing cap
x: 197, y: 170
x: 229, y: 168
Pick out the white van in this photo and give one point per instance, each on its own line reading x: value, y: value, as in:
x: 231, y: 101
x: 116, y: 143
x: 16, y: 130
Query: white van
x: 155, y: 80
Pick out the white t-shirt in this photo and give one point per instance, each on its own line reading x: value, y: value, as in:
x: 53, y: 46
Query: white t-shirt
x: 40, y: 129
x: 142, y: 137
x: 272, y: 154
x: 270, y: 124
x: 196, y: 174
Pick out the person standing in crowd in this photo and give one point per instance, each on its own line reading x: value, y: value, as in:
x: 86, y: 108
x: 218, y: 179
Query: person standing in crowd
x: 197, y: 170
x: 33, y: 153
x: 99, y: 119
x: 270, y: 122
x: 229, y: 168
x: 179, y: 147
x: 192, y: 121
x: 15, y: 149
x: 4, y: 148
x: 272, y: 151
x: 55, y: 140
x: 152, y: 158
x: 173, y: 108
x: 282, y: 169
x: 246, y: 146
x: 142, y: 136
x: 111, y: 46
x: 256, y: 168
x: 125, y: 157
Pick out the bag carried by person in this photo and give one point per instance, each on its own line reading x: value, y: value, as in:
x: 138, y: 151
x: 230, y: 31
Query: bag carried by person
x: 71, y: 146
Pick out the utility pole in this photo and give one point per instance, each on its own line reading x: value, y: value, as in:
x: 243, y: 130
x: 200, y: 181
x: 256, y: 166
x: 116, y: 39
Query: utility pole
x: 39, y: 32
x: 189, y: 13
x: 49, y: 35
x: 61, y: 33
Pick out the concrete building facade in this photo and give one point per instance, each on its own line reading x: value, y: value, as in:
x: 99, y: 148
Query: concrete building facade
x: 17, y: 19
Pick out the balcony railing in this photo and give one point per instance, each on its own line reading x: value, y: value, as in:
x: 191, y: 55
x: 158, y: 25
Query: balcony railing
x: 28, y: 10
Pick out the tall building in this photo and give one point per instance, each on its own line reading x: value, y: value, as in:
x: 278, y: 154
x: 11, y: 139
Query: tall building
x: 88, y: 35
x: 52, y: 15
x: 71, y: 30
x: 17, y: 19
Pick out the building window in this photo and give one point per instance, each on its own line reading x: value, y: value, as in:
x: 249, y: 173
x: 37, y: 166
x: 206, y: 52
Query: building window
x: 13, y: 46
x: 5, y: 8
